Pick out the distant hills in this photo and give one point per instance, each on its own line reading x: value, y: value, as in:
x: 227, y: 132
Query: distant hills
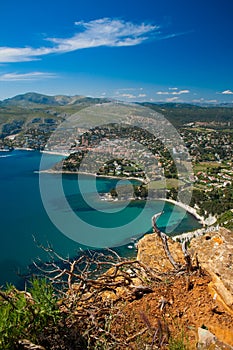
x: 33, y: 99
x: 32, y: 112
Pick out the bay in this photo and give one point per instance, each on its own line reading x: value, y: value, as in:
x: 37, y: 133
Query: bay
x: 23, y: 214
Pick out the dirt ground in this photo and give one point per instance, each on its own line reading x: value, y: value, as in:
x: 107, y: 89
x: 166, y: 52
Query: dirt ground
x: 176, y: 307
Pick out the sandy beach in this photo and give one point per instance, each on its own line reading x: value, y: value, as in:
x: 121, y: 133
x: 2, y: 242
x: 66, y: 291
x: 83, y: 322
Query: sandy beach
x: 58, y: 153
x: 189, y: 209
x: 24, y: 149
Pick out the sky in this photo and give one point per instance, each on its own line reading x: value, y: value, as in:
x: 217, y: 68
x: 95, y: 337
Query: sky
x: 139, y: 50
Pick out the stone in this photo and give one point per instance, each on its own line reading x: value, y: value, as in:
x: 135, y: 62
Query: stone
x: 215, y: 254
x: 208, y: 341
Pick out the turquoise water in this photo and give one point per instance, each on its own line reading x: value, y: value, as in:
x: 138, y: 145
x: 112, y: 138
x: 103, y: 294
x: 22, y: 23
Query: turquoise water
x: 23, y: 215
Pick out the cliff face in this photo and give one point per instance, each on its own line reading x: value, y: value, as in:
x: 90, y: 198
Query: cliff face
x: 215, y: 254
x: 213, y: 250
x: 209, y: 302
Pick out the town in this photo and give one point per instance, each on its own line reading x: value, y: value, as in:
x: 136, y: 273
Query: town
x: 123, y: 150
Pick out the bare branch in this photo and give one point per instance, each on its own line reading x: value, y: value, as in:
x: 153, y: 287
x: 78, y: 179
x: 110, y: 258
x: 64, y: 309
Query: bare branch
x: 163, y: 237
x: 187, y: 257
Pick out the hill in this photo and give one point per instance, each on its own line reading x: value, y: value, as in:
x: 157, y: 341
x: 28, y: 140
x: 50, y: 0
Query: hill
x: 180, y: 114
x: 33, y: 99
x: 27, y: 120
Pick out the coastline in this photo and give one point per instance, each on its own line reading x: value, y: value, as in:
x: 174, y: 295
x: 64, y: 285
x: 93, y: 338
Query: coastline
x: 24, y: 149
x: 208, y: 224
x: 204, y: 222
x: 189, y: 209
x: 52, y: 171
x: 58, y: 153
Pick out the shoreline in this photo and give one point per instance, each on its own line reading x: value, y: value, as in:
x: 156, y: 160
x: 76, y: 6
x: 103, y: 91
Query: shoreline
x: 186, y: 207
x: 206, y: 222
x: 24, y: 149
x: 51, y: 171
x: 58, y: 153
x: 189, y: 209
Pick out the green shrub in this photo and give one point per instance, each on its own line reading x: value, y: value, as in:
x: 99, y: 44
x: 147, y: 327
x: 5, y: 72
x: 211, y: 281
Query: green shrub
x: 26, y: 314
x: 178, y: 343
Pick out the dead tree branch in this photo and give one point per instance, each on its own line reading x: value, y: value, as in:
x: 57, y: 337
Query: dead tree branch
x: 163, y: 238
x: 187, y: 257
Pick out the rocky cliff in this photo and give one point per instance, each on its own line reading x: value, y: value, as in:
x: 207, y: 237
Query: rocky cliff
x: 208, y: 301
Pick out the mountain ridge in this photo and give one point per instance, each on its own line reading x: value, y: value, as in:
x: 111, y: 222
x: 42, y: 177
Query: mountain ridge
x: 34, y: 99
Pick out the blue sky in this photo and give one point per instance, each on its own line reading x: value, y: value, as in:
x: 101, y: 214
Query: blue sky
x: 145, y: 50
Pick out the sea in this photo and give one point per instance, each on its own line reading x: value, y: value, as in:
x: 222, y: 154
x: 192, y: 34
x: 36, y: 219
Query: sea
x: 69, y: 226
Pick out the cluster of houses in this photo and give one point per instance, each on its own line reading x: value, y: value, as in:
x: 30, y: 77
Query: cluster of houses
x: 208, y: 145
x: 223, y: 177
x: 122, y: 167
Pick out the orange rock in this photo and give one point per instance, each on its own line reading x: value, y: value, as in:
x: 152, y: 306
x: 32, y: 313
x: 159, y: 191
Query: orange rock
x: 218, y: 240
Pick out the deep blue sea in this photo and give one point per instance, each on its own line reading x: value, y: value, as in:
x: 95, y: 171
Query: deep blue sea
x: 23, y: 215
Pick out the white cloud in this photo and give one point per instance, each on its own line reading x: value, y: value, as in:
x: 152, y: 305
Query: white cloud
x: 173, y: 92
x: 227, y: 92
x: 163, y: 93
x: 173, y: 35
x: 26, y: 76
x: 180, y: 92
x: 142, y: 95
x: 173, y: 88
x: 25, y: 54
x: 127, y: 95
x: 211, y: 101
x: 171, y: 99
x: 96, y: 33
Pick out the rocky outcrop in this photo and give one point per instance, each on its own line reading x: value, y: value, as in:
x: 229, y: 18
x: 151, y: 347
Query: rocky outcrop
x: 214, y: 251
x: 151, y: 253
x: 215, y: 254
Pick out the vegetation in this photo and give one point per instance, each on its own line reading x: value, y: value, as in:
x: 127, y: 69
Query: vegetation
x: 179, y: 114
x: 79, y: 306
x: 27, y: 314
x: 28, y: 120
x: 226, y: 220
